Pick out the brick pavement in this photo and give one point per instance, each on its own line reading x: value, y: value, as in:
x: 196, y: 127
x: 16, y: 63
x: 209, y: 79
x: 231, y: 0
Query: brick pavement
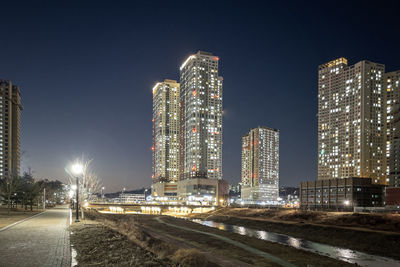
x: 40, y: 241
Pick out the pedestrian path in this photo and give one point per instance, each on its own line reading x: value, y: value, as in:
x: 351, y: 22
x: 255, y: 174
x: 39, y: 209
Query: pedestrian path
x: 40, y: 241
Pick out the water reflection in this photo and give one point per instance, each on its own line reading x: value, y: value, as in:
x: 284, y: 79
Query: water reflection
x: 262, y: 235
x: 343, y: 254
x: 242, y: 230
x: 294, y: 242
x: 222, y: 227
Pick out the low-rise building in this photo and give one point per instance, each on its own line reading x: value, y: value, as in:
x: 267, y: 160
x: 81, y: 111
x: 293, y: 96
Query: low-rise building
x: 164, y: 191
x: 341, y: 194
x: 200, y: 191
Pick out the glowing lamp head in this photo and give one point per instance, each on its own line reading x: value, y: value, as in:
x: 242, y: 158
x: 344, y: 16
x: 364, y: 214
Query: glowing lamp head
x: 77, y: 168
x: 346, y: 202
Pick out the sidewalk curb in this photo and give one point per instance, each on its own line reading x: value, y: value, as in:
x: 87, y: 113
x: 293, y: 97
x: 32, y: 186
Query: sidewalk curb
x: 21, y: 221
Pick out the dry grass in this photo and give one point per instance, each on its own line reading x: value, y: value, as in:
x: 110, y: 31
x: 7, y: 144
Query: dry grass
x: 374, y: 221
x: 189, y: 257
x: 128, y: 226
x: 98, y: 245
x: 15, y: 215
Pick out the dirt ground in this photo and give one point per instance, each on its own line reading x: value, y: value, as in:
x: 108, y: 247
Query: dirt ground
x: 15, y: 215
x: 98, y: 245
x: 218, y: 252
x: 362, y: 232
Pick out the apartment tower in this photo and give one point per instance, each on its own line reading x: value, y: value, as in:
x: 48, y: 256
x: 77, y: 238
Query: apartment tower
x: 392, y: 101
x: 165, y: 137
x: 10, y: 113
x: 351, y: 122
x: 260, y: 165
x: 201, y: 117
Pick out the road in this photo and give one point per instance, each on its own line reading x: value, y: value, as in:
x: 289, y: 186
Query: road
x: 39, y: 241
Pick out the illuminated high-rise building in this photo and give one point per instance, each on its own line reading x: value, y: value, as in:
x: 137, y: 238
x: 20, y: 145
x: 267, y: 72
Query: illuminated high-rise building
x: 165, y: 136
x: 201, y: 117
x: 351, y: 122
x: 260, y: 166
x: 10, y: 113
x: 392, y: 117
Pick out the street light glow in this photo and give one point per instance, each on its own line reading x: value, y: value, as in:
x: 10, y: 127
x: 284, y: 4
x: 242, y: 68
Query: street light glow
x: 77, y: 168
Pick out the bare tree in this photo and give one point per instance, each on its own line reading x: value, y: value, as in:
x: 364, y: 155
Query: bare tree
x: 30, y: 189
x: 9, y: 185
x: 89, y: 183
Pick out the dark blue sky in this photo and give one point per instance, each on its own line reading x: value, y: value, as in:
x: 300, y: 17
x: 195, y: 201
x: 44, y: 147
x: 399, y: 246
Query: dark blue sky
x: 86, y: 70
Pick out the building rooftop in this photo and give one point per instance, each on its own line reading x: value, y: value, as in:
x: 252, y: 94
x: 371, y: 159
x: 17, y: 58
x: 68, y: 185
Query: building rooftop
x: 204, y: 53
x: 333, y: 63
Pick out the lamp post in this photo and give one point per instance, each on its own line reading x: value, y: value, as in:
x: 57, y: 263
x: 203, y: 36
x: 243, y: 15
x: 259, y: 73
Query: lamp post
x: 102, y: 193
x: 77, y: 169
x: 123, y: 195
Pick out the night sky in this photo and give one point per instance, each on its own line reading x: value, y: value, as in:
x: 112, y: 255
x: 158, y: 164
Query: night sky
x: 86, y: 70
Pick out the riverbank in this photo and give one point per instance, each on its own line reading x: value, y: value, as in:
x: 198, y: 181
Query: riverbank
x: 98, y: 245
x: 361, y: 232
x: 168, y: 237
x: 389, y: 222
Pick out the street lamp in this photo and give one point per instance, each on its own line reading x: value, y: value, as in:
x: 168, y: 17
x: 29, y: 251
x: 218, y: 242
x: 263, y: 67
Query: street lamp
x: 77, y: 169
x: 122, y: 198
x: 102, y: 193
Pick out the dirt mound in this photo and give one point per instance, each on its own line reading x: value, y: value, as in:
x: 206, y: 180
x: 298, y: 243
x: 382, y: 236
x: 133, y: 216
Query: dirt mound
x: 299, y: 216
x: 97, y: 245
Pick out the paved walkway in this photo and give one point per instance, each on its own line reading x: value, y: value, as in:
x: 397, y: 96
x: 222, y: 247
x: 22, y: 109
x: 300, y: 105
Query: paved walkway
x: 39, y: 241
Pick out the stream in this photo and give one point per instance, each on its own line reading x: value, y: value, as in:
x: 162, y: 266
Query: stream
x: 343, y: 254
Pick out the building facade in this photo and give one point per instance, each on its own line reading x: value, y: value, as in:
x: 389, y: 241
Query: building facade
x: 392, y: 117
x: 10, y: 120
x: 341, y: 194
x: 260, y: 165
x: 165, y: 133
x: 200, y: 191
x: 351, y: 122
x: 201, y: 113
